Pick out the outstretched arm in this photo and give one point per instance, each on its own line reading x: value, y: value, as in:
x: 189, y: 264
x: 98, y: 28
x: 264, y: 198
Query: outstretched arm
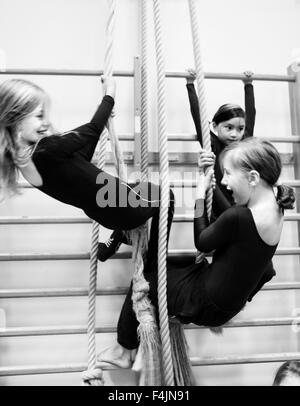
x: 249, y: 104
x: 83, y: 139
x: 194, y: 104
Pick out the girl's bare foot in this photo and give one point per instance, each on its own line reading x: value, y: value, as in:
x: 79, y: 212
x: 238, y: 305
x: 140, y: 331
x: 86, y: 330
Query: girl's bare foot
x: 117, y: 355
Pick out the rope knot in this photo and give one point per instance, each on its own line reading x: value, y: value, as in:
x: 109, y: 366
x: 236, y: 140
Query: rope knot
x: 93, y: 377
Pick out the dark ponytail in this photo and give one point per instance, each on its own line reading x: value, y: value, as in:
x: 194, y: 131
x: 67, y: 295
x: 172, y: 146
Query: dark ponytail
x: 285, y: 197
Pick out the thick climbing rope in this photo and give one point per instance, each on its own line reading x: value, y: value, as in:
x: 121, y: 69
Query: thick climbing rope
x: 94, y: 376
x: 141, y: 304
x: 163, y: 218
x: 144, y: 93
x: 202, y: 100
x: 148, y: 360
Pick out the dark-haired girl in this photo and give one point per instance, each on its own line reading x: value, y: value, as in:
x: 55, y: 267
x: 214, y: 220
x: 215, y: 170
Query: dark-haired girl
x: 229, y: 124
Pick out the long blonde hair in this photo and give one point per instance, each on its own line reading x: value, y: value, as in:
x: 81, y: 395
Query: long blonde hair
x: 18, y: 99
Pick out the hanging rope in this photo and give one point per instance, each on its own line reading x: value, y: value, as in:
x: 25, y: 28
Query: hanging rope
x: 148, y: 359
x: 94, y: 376
x: 202, y: 101
x: 163, y: 218
x: 148, y: 332
x: 144, y: 94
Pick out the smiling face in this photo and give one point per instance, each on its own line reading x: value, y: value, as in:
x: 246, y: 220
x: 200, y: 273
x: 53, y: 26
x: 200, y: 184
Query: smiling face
x: 35, y: 126
x: 236, y: 180
x: 230, y: 130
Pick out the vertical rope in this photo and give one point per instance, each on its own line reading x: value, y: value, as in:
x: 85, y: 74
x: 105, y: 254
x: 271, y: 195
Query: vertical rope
x: 144, y: 95
x: 202, y: 100
x: 108, y: 71
x: 163, y: 219
x: 93, y: 376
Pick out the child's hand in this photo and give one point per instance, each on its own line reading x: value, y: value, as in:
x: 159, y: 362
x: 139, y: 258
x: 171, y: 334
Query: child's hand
x: 206, y: 159
x: 248, y: 77
x: 192, y: 76
x: 109, y: 86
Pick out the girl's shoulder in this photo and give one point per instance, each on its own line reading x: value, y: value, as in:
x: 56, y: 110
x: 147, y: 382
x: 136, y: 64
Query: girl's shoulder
x: 48, y: 146
x: 268, y: 224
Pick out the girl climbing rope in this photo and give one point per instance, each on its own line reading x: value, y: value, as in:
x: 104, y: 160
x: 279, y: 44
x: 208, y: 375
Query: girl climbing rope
x: 59, y: 165
x: 244, y: 237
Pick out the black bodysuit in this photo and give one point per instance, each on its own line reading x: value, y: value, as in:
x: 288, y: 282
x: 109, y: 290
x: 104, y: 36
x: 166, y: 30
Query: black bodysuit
x: 210, y: 294
x: 63, y: 162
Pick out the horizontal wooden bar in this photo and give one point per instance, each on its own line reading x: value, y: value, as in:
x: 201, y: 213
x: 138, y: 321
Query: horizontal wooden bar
x: 184, y: 218
x: 179, y: 183
x: 174, y: 254
x: 193, y: 137
x: 250, y: 359
x: 236, y: 76
x: 121, y: 290
x: 68, y: 330
x: 86, y: 72
x: 63, y: 72
x: 59, y: 292
x: 195, y: 361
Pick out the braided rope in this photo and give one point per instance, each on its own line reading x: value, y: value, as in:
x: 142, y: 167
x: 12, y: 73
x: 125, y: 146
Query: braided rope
x: 144, y: 96
x: 202, y: 101
x: 93, y: 376
x: 163, y: 218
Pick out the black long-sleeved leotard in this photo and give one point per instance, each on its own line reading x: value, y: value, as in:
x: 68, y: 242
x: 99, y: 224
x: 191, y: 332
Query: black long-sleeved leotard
x: 222, y: 197
x: 63, y: 161
x: 240, y: 255
x: 240, y: 262
x: 240, y: 266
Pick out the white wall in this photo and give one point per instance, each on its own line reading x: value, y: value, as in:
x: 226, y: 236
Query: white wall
x: 235, y: 36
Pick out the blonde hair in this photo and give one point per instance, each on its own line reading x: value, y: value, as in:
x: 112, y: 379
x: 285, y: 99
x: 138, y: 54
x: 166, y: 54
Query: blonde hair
x: 18, y: 99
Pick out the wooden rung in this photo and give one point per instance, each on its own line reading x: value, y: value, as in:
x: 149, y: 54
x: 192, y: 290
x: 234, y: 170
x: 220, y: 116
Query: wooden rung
x: 183, y: 218
x: 174, y: 254
x: 59, y: 292
x: 193, y: 137
x: 250, y: 359
x: 52, y: 330
x: 63, y: 72
x: 179, y: 183
x: 122, y: 290
x: 68, y: 330
x: 90, y: 72
x: 191, y: 183
x: 195, y: 361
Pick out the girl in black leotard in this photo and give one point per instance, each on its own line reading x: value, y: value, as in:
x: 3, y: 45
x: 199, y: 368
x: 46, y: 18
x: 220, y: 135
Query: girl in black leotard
x: 60, y: 165
x: 230, y: 124
x: 244, y: 239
